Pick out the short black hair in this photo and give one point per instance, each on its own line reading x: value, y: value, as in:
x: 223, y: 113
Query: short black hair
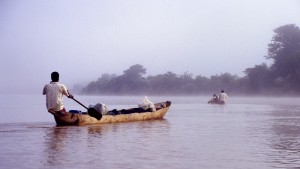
x: 54, y: 76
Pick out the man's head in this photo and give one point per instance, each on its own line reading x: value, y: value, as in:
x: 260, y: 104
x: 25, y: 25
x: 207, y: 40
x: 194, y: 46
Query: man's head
x: 55, y: 76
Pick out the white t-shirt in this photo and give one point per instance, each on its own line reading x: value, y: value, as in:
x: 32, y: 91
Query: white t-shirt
x: 54, y: 95
x: 223, y: 97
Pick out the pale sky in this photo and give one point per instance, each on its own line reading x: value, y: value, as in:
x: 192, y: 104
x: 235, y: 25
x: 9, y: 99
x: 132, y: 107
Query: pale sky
x: 83, y: 39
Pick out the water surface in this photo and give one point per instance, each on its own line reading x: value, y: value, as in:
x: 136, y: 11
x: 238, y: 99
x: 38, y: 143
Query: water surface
x: 245, y: 133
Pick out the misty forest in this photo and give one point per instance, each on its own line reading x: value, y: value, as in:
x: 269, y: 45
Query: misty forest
x: 281, y: 77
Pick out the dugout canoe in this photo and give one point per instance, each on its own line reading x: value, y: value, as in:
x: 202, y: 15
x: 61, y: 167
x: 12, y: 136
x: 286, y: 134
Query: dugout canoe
x: 216, y: 102
x: 72, y: 119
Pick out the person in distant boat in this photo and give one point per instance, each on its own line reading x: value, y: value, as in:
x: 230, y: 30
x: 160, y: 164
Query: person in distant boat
x: 54, y: 94
x: 214, y: 99
x: 223, y: 97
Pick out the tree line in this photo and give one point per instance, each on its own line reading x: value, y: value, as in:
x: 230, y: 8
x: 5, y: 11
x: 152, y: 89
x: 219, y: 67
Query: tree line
x: 281, y: 77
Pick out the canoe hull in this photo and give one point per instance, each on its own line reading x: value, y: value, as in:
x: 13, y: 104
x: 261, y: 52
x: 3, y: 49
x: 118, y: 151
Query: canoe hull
x: 216, y: 102
x: 70, y: 119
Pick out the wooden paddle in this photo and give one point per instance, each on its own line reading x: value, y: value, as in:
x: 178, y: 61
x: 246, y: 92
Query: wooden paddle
x: 91, y: 111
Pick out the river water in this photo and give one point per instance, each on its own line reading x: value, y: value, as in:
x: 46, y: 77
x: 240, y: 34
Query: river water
x: 246, y: 133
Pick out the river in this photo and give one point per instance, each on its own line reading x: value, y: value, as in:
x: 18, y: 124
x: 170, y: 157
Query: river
x: 246, y: 133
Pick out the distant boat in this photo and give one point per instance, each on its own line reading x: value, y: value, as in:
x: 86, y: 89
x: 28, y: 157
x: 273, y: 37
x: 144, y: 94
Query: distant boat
x: 216, y: 101
x: 133, y: 114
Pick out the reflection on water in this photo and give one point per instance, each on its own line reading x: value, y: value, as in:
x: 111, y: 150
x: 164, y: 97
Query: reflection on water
x: 55, y: 143
x: 245, y: 133
x: 97, y: 144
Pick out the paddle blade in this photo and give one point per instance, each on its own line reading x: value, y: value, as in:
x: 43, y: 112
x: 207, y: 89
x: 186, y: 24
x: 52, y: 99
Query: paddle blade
x: 94, y: 113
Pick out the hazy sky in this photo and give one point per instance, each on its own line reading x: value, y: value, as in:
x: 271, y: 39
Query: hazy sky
x: 82, y: 39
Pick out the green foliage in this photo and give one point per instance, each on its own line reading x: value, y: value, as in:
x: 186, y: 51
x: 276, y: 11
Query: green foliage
x: 257, y: 78
x: 135, y: 71
x: 285, y: 52
x: 283, y: 76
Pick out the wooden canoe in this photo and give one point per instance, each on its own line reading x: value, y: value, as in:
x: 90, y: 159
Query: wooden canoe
x: 216, y: 102
x: 72, y: 119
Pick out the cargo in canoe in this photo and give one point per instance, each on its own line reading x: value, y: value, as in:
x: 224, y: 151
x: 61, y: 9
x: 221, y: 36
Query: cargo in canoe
x: 127, y: 115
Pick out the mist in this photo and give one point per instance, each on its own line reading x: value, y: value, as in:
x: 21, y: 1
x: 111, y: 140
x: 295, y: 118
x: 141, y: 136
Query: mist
x: 84, y: 39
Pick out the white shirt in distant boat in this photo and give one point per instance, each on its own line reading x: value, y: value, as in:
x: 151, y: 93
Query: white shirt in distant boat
x: 223, y: 97
x: 54, y: 95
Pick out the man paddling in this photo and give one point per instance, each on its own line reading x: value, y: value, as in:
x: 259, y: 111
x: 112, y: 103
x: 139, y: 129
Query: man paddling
x: 54, y: 94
